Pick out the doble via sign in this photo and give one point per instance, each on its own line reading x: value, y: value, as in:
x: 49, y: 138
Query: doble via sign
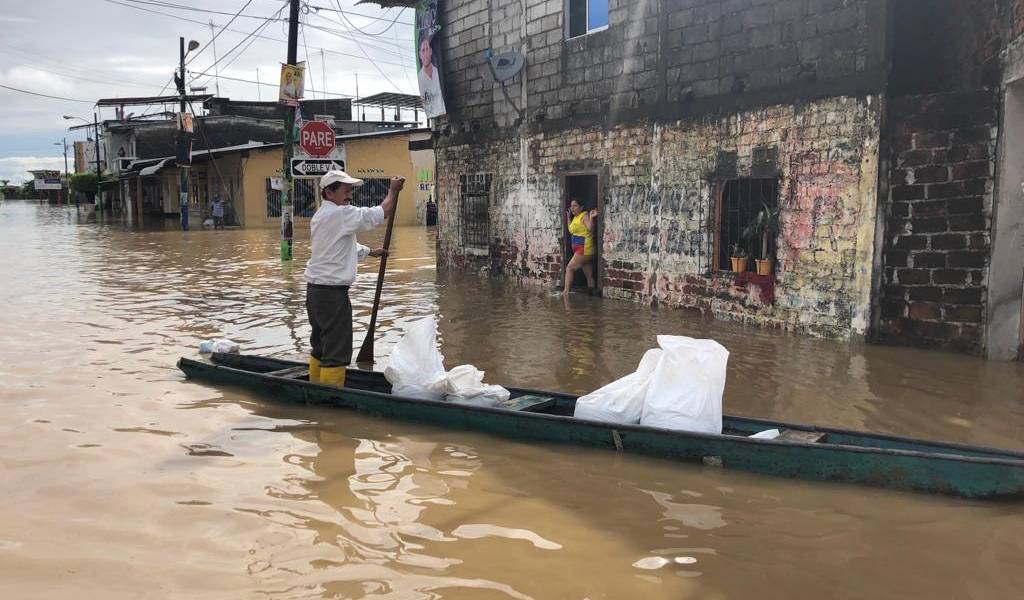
x: 316, y: 138
x: 312, y: 167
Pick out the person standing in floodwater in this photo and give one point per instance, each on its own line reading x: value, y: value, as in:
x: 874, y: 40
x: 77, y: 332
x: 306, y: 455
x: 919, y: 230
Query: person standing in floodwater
x: 217, y: 210
x: 581, y: 225
x: 332, y: 269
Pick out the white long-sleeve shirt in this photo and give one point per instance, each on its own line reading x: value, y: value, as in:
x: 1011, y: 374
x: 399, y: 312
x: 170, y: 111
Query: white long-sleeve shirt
x: 335, y: 251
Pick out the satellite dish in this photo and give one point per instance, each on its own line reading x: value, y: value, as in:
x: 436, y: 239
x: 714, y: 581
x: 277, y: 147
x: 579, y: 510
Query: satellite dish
x: 501, y: 67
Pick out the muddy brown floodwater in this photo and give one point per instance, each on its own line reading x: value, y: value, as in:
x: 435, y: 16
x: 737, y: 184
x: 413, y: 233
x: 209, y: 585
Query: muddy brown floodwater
x: 120, y: 479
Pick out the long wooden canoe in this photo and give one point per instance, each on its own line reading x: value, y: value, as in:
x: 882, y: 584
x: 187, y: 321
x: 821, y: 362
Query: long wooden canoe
x: 800, y: 452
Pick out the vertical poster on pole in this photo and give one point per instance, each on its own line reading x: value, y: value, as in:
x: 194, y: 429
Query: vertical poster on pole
x: 428, y: 57
x: 185, y: 131
x: 293, y: 78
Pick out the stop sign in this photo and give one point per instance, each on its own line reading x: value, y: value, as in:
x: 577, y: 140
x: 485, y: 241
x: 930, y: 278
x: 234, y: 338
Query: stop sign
x: 316, y: 138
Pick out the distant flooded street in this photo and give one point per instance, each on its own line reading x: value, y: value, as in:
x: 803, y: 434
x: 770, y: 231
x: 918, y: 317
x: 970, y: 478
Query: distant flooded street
x: 120, y: 479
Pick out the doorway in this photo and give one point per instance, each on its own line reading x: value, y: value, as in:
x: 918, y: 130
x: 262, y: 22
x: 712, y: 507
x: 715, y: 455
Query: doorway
x: 584, y: 187
x: 1005, y: 335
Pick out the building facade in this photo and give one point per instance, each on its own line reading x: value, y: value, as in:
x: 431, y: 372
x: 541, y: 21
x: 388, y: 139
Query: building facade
x: 870, y: 125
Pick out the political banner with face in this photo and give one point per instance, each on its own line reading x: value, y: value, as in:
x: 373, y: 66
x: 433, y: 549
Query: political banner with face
x: 428, y: 57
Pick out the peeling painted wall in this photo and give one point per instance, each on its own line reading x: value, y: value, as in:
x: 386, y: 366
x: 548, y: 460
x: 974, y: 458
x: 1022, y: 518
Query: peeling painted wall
x: 659, y: 204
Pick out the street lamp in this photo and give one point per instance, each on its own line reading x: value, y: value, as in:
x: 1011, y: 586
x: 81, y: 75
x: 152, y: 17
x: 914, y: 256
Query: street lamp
x: 64, y: 143
x: 96, y: 125
x: 184, y: 143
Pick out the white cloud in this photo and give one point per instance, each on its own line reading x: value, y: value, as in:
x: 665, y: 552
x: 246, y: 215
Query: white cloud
x: 35, y: 80
x: 16, y: 168
x: 133, y: 52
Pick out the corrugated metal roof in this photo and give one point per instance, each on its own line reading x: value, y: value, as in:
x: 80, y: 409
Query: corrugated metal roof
x: 386, y: 132
x: 391, y: 3
x: 147, y: 100
x: 150, y: 166
x: 393, y: 99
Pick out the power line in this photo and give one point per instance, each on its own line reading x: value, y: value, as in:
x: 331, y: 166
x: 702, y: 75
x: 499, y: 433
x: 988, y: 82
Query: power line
x: 381, y: 32
x: 355, y: 14
x: 237, y: 54
x: 216, y: 35
x: 35, y: 68
x: 379, y: 44
x: 204, y: 24
x: 274, y: 85
x: 251, y: 35
x: 373, y: 62
x: 14, y: 89
x: 309, y: 68
x: 39, y: 57
x: 173, y: 6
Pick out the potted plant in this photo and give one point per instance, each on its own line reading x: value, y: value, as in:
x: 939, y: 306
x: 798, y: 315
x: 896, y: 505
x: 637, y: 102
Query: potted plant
x: 766, y: 226
x: 739, y: 257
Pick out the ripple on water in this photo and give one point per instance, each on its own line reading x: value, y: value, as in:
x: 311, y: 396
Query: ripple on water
x: 316, y: 502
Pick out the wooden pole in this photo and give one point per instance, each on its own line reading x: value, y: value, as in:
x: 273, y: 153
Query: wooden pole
x: 366, y: 351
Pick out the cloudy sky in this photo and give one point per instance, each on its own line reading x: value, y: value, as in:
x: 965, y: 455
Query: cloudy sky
x: 89, y: 49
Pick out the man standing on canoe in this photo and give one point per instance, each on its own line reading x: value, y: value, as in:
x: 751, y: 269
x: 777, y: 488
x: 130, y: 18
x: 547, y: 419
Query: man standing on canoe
x: 332, y: 269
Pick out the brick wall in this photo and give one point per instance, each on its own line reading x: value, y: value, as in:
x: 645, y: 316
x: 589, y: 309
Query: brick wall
x: 937, y: 240
x: 659, y: 202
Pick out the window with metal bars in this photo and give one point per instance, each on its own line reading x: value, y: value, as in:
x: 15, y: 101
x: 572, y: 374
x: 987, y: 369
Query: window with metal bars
x: 474, y: 219
x: 304, y: 198
x: 739, y: 204
x: 372, y: 192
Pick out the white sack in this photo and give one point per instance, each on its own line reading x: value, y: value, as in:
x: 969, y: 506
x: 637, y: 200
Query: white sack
x: 465, y: 385
x: 621, y: 401
x: 767, y: 434
x: 685, y: 391
x: 415, y: 366
x: 219, y: 346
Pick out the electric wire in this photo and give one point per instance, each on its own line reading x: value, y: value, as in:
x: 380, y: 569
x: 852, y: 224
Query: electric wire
x: 216, y: 35
x: 14, y: 89
x: 204, y: 24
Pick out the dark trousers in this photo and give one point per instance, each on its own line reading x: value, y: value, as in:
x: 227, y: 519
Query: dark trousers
x: 330, y: 315
x: 218, y: 222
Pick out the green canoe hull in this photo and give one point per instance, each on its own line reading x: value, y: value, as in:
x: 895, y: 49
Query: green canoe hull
x: 837, y: 456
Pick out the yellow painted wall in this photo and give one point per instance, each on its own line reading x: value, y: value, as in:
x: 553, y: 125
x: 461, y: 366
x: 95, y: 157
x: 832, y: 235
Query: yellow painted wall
x: 385, y: 157
x: 423, y: 185
x: 252, y: 209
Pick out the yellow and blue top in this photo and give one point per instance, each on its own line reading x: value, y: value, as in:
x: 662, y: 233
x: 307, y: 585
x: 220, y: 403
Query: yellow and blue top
x: 581, y: 236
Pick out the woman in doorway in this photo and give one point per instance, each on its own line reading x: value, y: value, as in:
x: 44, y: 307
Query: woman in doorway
x: 581, y: 224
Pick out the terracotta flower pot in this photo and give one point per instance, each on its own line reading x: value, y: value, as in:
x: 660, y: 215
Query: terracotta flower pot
x: 739, y: 263
x: 764, y: 267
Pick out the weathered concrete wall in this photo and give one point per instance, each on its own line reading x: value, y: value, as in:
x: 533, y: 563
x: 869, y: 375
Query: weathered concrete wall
x: 666, y: 59
x: 1013, y: 17
x: 673, y: 99
x: 659, y: 204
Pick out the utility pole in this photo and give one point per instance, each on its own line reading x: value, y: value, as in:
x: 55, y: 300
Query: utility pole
x: 216, y: 69
x: 289, y: 141
x: 184, y: 149
x: 99, y: 170
x: 259, y: 94
x: 323, y: 76
x: 67, y: 177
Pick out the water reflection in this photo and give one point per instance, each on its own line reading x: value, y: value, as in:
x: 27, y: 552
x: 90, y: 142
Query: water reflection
x: 121, y: 480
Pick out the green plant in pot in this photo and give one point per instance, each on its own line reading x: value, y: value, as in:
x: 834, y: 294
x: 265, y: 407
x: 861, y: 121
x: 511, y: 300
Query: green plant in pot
x: 738, y: 256
x: 766, y: 226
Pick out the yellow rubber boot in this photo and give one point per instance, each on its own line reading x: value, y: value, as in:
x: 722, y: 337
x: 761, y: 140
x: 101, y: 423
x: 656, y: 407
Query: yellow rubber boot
x: 314, y: 370
x: 332, y: 376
